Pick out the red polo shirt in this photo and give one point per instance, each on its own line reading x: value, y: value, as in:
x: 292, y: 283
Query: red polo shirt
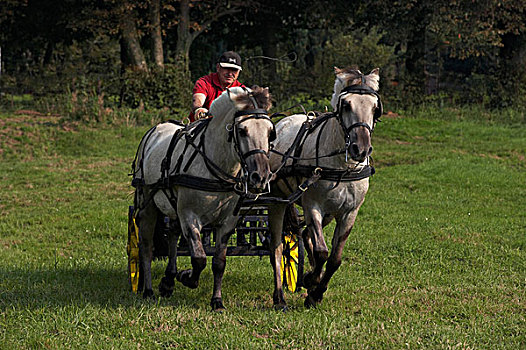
x: 210, y: 87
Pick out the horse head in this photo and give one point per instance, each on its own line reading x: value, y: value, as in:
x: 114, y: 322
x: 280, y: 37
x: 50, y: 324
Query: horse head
x: 358, y: 107
x: 252, y: 132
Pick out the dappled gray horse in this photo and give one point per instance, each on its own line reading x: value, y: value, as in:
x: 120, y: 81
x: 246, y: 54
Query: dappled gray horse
x: 196, y: 176
x: 333, y: 148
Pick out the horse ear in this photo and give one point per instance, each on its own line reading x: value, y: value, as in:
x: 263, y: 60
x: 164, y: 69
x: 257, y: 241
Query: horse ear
x: 373, y: 79
x: 337, y: 70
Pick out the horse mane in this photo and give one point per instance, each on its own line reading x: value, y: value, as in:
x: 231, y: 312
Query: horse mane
x: 239, y: 98
x: 259, y: 94
x: 351, y: 76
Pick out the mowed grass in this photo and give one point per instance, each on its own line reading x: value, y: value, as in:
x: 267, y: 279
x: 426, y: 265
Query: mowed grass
x: 437, y: 258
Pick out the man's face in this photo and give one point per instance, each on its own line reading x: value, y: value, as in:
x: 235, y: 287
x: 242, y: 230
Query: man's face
x: 227, y: 76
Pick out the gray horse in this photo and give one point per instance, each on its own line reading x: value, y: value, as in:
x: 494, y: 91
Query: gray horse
x: 196, y: 177
x: 336, y: 147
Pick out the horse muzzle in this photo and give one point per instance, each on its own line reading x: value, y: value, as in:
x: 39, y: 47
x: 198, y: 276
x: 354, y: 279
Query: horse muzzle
x: 258, y: 172
x: 359, y: 152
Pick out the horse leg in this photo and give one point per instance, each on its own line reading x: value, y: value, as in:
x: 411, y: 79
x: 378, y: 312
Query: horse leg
x: 320, y: 252
x: 341, y: 233
x: 307, y: 242
x: 218, y: 268
x: 166, y: 287
x: 147, y: 218
x: 275, y: 217
x: 190, y: 277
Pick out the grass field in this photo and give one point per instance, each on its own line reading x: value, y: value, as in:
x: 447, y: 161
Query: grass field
x: 437, y: 259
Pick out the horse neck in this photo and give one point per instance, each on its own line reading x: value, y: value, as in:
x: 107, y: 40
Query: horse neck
x: 331, y: 139
x: 218, y: 149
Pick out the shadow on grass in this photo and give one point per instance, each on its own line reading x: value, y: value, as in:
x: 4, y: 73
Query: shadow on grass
x: 60, y: 287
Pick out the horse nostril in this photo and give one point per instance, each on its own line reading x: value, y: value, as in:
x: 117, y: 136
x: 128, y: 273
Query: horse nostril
x: 255, y: 178
x: 355, y: 149
x: 370, y: 150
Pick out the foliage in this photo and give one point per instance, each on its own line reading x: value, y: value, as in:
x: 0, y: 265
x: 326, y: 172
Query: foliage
x: 468, y: 52
x: 303, y: 102
x: 170, y: 88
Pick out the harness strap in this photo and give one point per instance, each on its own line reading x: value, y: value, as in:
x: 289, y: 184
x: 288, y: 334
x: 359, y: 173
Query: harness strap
x: 196, y: 149
x: 343, y: 175
x: 292, y: 198
x: 256, y: 112
x: 318, y: 142
x: 254, y: 151
x: 316, y: 175
x: 199, y: 183
x: 166, y: 162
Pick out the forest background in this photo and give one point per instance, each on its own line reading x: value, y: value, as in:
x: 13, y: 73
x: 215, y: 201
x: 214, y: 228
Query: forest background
x: 113, y: 60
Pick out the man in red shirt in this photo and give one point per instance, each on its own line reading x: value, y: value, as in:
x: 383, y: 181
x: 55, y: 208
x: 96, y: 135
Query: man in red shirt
x: 209, y: 87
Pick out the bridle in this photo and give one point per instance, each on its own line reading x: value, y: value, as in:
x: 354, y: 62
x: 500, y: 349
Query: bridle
x: 233, y: 131
x: 361, y: 89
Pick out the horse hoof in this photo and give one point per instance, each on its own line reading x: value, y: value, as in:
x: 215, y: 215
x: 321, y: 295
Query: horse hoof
x: 310, y: 302
x: 217, y: 305
x: 166, y: 287
x: 314, y: 297
x: 184, y: 278
x: 148, y: 294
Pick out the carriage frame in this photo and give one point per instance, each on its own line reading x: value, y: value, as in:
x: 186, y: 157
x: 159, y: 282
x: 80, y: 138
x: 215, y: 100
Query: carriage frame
x: 251, y: 238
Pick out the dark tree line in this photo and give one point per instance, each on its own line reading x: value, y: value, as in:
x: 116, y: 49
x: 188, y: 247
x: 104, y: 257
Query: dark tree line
x: 150, y: 51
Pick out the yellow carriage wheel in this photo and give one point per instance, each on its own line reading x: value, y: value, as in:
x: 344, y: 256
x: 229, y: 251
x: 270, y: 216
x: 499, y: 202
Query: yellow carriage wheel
x: 291, y: 261
x: 132, y: 249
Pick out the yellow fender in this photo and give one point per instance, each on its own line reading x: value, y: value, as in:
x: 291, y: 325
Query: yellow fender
x: 289, y: 261
x: 132, y: 249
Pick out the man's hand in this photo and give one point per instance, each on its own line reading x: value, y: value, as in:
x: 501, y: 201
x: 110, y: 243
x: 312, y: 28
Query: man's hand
x: 200, y: 113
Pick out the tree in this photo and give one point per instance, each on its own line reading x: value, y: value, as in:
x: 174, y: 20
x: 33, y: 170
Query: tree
x: 195, y: 17
x: 131, y: 52
x: 191, y: 18
x: 156, y: 33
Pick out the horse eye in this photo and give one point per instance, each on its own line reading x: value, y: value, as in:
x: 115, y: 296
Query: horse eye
x: 346, y: 106
x: 243, y: 132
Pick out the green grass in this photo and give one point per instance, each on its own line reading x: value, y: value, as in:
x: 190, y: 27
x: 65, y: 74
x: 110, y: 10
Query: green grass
x: 436, y: 260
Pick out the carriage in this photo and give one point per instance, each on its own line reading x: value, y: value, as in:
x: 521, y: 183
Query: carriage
x: 251, y: 238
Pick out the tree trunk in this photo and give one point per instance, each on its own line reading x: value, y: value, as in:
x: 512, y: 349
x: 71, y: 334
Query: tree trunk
x: 269, y: 47
x: 184, y: 37
x: 130, y: 41
x: 155, y: 34
x: 48, y: 55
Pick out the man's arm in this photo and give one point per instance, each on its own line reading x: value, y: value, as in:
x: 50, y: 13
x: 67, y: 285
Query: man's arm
x: 198, y: 100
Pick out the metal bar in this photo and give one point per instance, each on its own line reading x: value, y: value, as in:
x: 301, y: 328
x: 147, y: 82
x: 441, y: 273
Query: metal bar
x: 232, y: 251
